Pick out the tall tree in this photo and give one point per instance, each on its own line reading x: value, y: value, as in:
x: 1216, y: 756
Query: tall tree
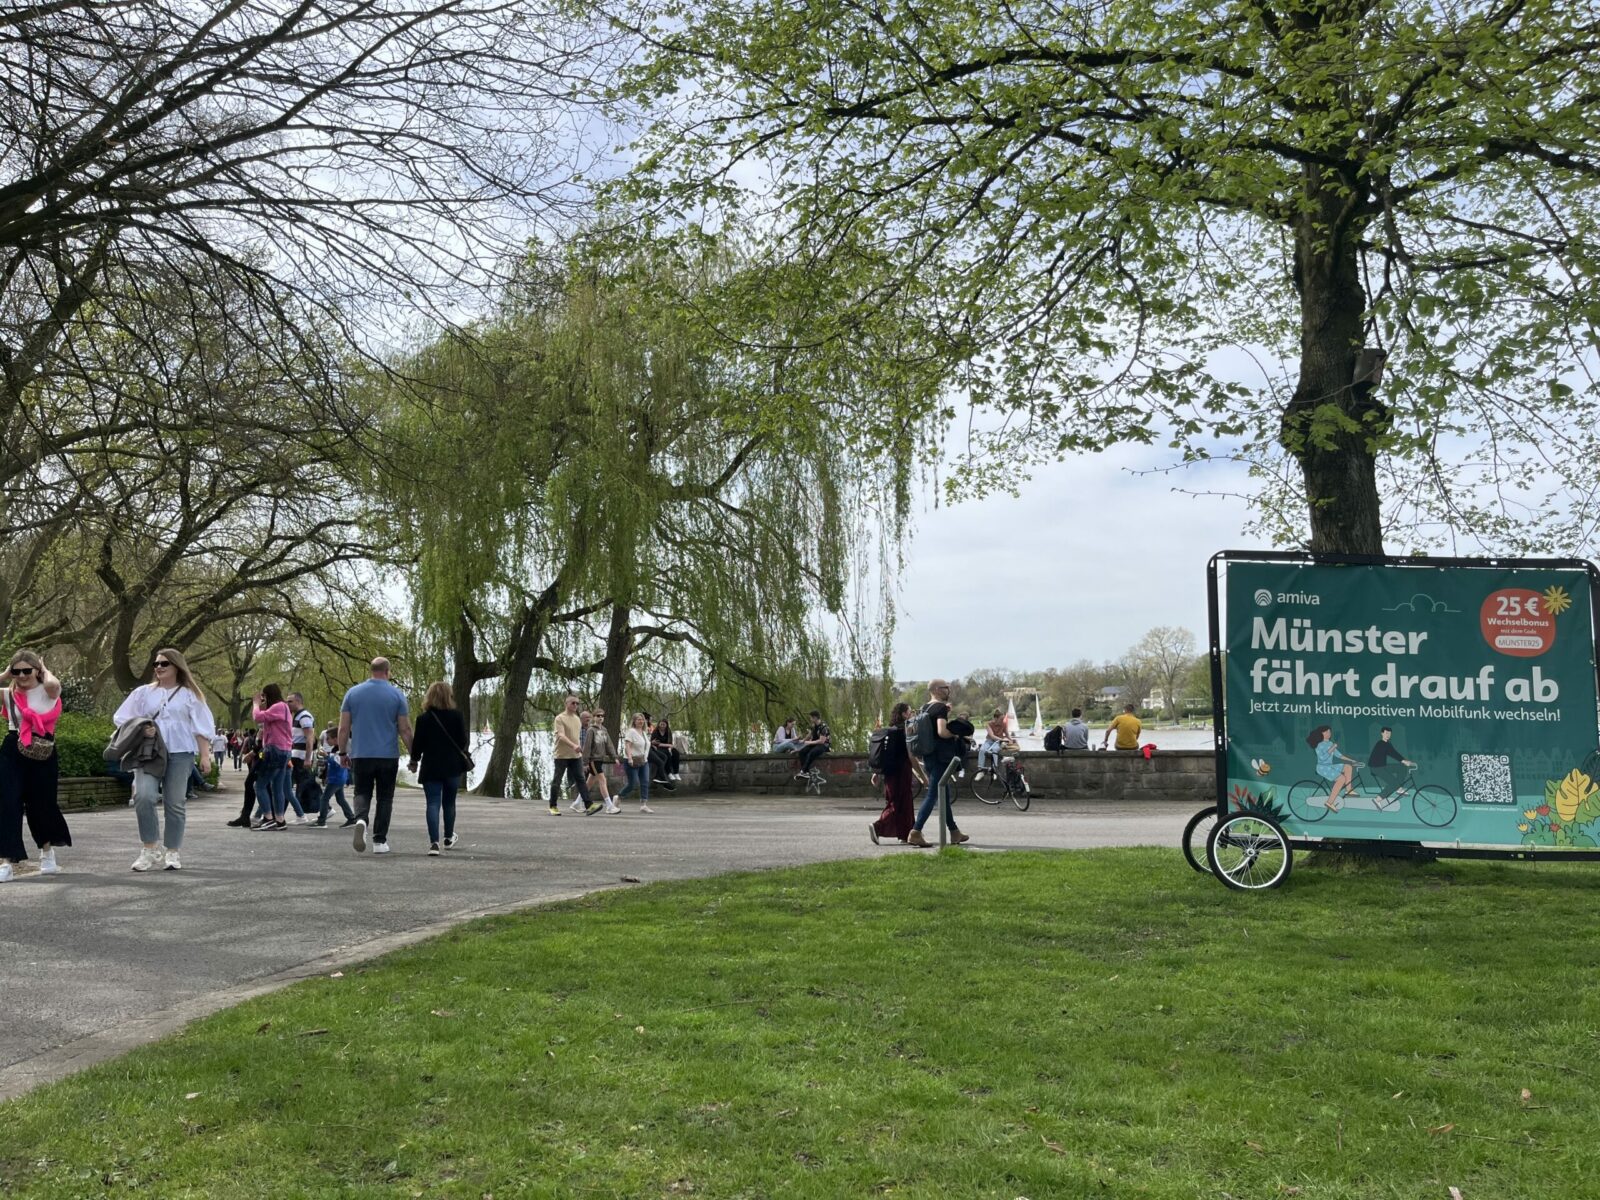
x: 605, y: 487
x: 1166, y: 654
x: 1101, y: 198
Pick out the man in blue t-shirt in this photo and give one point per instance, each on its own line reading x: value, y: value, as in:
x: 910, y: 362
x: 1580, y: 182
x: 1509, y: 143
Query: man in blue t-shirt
x: 372, y: 724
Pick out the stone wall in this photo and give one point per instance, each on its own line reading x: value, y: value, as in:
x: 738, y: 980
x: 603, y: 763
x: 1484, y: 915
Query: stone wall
x: 1186, y: 775
x: 85, y: 793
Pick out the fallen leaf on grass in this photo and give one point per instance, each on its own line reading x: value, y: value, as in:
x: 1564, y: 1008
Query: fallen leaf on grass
x: 1056, y: 1146
x: 1397, y: 1095
x: 192, y: 1096
x: 1291, y: 1191
x: 1442, y: 1128
x: 442, y: 1012
x: 1526, y: 1095
x: 337, y: 975
x: 1455, y: 1193
x: 1256, y: 1146
x: 630, y: 879
x: 638, y: 1028
x: 264, y: 1026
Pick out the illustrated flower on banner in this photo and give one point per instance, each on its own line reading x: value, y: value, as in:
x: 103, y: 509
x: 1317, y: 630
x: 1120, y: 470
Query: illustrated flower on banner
x: 1556, y: 600
x: 1569, y: 817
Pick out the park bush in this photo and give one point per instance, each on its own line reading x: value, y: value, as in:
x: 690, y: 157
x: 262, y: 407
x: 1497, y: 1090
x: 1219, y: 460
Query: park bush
x: 80, y: 743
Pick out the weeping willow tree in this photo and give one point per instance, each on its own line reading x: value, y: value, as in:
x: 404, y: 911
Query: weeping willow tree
x: 603, y: 490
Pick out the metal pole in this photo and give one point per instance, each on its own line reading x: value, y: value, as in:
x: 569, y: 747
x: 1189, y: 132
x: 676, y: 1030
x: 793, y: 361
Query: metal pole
x: 946, y: 781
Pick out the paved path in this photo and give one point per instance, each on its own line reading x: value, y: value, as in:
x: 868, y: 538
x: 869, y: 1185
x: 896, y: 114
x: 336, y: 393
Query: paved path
x: 99, y: 959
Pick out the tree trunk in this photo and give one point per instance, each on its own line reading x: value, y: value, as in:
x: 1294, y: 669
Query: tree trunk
x: 614, y: 670
x: 1331, y: 426
x: 464, y: 675
x: 520, y: 658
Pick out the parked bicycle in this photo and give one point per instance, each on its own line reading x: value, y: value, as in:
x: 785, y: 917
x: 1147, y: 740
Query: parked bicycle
x: 991, y: 785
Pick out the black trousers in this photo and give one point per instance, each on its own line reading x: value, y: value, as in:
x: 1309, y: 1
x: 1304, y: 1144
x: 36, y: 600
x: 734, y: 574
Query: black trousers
x: 28, y: 788
x: 572, y: 768
x: 810, y: 754
x: 375, y: 775
x: 664, y: 760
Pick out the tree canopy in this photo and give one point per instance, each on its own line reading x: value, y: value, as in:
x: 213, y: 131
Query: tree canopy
x: 1101, y: 199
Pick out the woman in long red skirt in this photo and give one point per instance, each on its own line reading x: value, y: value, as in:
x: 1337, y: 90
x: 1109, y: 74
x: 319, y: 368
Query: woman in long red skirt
x: 900, y: 777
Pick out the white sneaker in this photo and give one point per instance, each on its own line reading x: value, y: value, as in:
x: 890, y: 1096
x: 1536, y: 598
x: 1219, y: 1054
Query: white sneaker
x: 449, y: 842
x: 6, y: 872
x: 646, y: 808
x: 172, y: 861
x: 576, y: 806
x: 147, y: 859
x: 48, y: 864
x: 300, y: 821
x: 380, y: 847
x: 358, y: 837
x: 611, y: 808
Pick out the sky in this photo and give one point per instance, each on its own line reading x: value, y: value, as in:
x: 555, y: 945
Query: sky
x: 1087, y: 558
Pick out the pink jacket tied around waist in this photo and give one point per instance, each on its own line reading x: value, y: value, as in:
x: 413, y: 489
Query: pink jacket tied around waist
x: 30, y: 723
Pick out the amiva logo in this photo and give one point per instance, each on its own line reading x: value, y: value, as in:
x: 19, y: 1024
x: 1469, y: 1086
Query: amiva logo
x: 1265, y: 598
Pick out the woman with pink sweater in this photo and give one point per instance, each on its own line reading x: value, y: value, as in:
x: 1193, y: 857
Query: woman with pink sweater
x: 275, y: 781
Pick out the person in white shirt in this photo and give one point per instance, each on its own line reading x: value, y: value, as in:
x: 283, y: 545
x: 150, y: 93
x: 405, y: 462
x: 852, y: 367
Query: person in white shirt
x: 636, y: 760
x: 175, y: 705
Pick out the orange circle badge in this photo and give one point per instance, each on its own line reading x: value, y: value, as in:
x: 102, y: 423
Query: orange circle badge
x: 1515, y: 621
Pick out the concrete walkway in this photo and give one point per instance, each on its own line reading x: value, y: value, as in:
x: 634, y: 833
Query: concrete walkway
x: 98, y: 959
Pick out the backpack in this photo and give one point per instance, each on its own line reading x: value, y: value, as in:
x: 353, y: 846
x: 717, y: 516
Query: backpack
x: 875, y: 742
x: 1053, y: 740
x: 922, y: 733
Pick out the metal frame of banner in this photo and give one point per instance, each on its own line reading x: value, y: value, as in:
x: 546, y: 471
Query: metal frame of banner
x: 1373, y: 847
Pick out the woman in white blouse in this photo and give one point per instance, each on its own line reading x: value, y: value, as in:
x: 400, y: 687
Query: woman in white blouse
x: 177, y: 706
x: 636, y: 760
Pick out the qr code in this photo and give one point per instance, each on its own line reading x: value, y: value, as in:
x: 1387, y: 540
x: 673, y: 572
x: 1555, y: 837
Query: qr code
x: 1486, y: 779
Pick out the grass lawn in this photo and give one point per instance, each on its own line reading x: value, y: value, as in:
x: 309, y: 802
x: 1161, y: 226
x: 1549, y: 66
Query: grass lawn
x: 1102, y: 1024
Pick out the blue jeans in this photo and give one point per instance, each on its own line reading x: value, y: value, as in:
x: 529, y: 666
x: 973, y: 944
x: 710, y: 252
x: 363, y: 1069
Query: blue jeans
x: 936, y: 765
x: 333, y: 791
x: 638, y: 777
x: 441, y: 794
x: 278, y: 789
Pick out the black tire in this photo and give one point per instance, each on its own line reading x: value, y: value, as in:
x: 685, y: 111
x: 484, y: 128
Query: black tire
x: 986, y: 787
x: 1249, y: 852
x: 1303, y: 791
x: 1021, y: 797
x: 1195, y: 835
x: 1433, y: 805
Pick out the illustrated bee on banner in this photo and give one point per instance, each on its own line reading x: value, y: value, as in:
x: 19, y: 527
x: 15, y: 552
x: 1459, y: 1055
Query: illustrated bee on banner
x: 1261, y: 765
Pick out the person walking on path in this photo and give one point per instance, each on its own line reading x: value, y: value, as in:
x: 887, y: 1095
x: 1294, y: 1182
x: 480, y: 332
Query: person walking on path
x: 275, y: 782
x: 372, y: 724
x: 31, y: 705
x: 899, y: 770
x: 302, y: 757
x: 440, y: 747
x: 598, y: 754
x: 235, y: 747
x: 176, y: 707
x: 568, y: 728
x: 947, y: 748
x: 336, y: 776
x: 636, y: 760
x: 1127, y: 728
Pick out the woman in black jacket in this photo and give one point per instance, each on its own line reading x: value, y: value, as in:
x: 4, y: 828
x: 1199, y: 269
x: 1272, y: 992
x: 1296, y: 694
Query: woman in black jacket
x: 439, y: 744
x: 663, y: 754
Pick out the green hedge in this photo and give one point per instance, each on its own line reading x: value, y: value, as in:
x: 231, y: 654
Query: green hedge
x: 81, y: 742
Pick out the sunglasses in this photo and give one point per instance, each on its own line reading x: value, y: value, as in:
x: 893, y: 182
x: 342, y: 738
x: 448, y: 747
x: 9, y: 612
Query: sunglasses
x: 161, y: 662
x: 22, y: 670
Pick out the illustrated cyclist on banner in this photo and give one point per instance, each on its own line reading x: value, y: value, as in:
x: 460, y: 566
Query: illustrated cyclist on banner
x: 1389, y: 765
x: 1332, y: 766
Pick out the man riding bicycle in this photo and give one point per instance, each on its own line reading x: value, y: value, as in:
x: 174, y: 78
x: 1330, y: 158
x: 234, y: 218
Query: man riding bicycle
x: 1389, y: 766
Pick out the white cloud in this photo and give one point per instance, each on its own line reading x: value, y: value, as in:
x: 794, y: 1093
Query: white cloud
x: 1080, y: 565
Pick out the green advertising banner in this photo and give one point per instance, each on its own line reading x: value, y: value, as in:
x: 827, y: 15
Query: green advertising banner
x: 1444, y: 704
